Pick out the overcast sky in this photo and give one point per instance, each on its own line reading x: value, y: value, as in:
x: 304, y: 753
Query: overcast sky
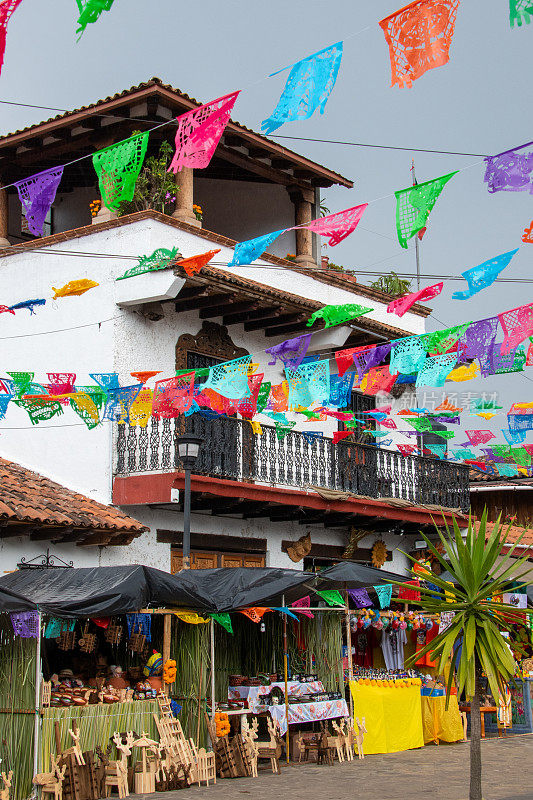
x: 480, y: 103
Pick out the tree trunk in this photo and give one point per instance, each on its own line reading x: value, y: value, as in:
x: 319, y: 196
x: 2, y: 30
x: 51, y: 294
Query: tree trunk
x: 475, y: 743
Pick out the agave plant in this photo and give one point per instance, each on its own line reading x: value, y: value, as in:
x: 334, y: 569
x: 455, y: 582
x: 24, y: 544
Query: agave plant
x: 478, y: 577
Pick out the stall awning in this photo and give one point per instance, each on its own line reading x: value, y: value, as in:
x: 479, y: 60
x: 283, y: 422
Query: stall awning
x: 107, y: 591
x: 349, y: 575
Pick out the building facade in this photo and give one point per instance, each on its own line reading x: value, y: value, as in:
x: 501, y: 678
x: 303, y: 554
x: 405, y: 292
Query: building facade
x: 257, y: 498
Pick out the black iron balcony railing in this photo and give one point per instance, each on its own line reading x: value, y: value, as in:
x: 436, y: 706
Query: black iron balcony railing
x: 232, y: 451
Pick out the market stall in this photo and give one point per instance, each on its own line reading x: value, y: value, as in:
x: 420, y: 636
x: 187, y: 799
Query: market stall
x: 392, y: 712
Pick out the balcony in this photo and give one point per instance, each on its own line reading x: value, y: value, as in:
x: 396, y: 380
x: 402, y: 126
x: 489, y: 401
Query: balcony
x: 297, y: 461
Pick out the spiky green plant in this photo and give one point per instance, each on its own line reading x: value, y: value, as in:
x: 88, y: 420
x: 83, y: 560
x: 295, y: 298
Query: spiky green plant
x: 477, y: 576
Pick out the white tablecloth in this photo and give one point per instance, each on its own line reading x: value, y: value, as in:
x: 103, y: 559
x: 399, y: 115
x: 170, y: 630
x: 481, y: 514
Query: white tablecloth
x: 252, y: 693
x: 308, y: 712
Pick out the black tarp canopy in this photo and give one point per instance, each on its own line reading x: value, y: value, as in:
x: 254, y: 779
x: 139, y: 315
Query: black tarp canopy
x: 107, y: 591
x: 349, y: 575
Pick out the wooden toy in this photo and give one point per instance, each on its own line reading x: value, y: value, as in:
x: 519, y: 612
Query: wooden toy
x: 337, y: 742
x: 249, y: 735
x: 4, y: 792
x: 87, y: 643
x: 50, y: 782
x: 145, y: 776
x: 359, y: 736
x: 75, y: 750
x: 116, y: 772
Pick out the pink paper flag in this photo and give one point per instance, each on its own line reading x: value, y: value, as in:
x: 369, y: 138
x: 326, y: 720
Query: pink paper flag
x: 199, y: 132
x: 403, y: 304
x: 407, y: 449
x: 7, y: 7
x: 517, y: 325
x: 337, y: 226
x: 301, y: 605
x: 388, y: 423
x: 479, y: 437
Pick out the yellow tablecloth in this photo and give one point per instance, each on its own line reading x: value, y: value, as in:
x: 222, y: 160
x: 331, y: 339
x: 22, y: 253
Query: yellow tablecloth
x: 440, y: 723
x: 393, y: 717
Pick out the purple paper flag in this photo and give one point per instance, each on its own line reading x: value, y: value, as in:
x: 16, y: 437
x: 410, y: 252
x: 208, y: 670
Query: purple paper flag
x: 360, y: 597
x: 291, y: 352
x: 36, y: 194
x: 478, y: 339
x: 25, y: 624
x: 510, y: 171
x: 370, y: 358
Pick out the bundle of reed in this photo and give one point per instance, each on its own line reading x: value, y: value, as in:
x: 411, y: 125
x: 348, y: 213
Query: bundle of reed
x: 190, y: 650
x: 17, y: 706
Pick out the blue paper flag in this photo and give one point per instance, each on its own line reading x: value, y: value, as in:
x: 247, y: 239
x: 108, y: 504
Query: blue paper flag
x: 514, y: 437
x: 308, y: 87
x: 384, y: 594
x: 248, y: 251
x: 484, y: 275
x: 437, y: 449
x: 285, y: 610
x: 507, y: 470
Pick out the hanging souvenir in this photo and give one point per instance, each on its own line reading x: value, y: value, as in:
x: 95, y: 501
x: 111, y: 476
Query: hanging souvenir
x: 379, y: 553
x: 74, y: 288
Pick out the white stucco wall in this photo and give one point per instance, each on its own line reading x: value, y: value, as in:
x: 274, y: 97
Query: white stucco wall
x: 91, y: 334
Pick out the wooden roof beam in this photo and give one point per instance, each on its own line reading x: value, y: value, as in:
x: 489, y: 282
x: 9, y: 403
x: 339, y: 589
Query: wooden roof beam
x: 202, y: 302
x: 281, y: 330
x: 260, y: 324
x: 227, y: 308
x: 264, y: 171
x: 248, y: 316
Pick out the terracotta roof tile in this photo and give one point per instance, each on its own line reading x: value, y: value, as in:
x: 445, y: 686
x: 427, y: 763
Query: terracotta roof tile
x: 27, y: 496
x: 514, y: 534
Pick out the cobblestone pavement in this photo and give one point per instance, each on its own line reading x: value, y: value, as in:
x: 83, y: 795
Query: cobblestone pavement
x: 432, y: 772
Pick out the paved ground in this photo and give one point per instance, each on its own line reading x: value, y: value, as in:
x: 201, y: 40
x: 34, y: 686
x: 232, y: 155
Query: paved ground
x: 432, y: 772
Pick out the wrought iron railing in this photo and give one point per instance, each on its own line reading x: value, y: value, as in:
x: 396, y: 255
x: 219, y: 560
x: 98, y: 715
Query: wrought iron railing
x: 232, y: 451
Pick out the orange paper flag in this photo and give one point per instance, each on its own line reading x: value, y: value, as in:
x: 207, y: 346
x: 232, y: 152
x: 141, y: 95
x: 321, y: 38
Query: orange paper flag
x: 196, y: 263
x: 254, y: 614
x: 419, y: 38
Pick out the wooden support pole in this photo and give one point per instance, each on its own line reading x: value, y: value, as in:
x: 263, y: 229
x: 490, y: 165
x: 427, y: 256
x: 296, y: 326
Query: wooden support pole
x: 349, y: 649
x: 286, y: 679
x: 167, y: 636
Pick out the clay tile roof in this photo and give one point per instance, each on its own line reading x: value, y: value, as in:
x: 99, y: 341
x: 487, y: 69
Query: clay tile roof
x: 156, y: 85
x: 28, y: 497
x: 514, y: 534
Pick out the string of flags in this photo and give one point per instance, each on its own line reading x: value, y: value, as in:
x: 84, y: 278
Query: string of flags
x: 419, y: 38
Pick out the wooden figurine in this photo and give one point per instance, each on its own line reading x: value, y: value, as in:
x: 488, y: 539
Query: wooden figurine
x: 50, y: 782
x: 360, y: 735
x: 4, y: 791
x: 299, y: 745
x: 347, y: 732
x: 337, y: 742
x: 116, y: 772
x: 75, y: 750
x: 325, y: 752
x: 271, y: 749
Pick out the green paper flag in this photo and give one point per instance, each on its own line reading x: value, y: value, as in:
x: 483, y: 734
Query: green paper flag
x: 441, y: 341
x: 160, y: 259
x: 419, y: 423
x: 384, y: 594
x: 283, y: 430
x: 414, y: 205
x: 224, y: 620
x: 332, y: 597
x: 336, y: 315
x: 444, y: 434
x: 262, y: 397
x: 520, y: 11
x: 90, y: 10
x: 118, y: 168
x: 520, y: 456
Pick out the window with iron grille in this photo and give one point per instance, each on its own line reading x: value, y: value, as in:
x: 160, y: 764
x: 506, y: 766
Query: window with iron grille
x: 361, y: 402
